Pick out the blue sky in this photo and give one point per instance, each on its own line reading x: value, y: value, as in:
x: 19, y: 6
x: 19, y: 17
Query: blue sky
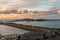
x: 29, y: 4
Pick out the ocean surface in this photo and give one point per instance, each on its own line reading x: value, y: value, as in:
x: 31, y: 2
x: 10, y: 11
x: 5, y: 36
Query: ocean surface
x: 49, y: 24
x: 7, y: 30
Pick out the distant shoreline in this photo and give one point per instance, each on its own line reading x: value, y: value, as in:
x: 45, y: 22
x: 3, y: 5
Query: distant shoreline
x: 35, y: 20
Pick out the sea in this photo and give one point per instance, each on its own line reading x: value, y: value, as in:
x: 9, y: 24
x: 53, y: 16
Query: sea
x: 49, y: 24
x: 5, y: 30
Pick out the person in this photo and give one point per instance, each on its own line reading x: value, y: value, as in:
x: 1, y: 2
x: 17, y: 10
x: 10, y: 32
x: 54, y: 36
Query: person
x: 0, y: 36
x: 44, y: 36
x: 18, y: 38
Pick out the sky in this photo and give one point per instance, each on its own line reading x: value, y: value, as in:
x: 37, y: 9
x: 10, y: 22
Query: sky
x: 29, y: 4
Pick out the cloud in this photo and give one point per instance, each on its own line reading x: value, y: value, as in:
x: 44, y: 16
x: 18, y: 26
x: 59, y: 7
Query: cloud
x: 4, y: 1
x: 16, y: 4
x: 11, y: 3
x: 24, y: 3
x: 52, y: 0
x: 33, y: 2
x: 21, y: 2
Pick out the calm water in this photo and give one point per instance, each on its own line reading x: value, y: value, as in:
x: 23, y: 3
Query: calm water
x: 50, y: 24
x: 6, y: 30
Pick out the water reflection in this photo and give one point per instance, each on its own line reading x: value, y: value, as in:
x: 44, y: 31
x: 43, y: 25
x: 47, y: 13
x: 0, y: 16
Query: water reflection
x: 50, y: 24
x: 6, y: 30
